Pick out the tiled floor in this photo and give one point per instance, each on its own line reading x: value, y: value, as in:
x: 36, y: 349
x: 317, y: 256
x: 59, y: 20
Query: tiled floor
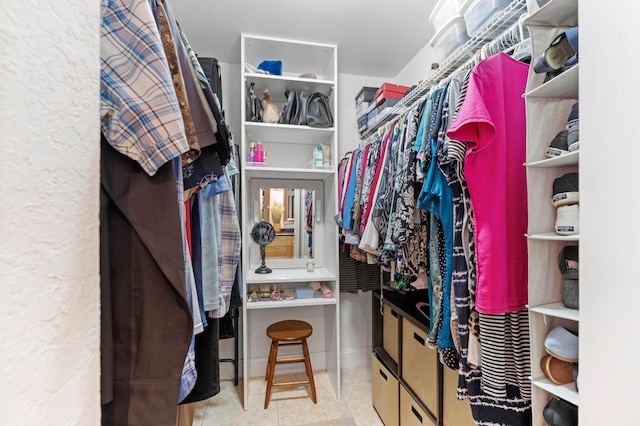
x: 291, y: 406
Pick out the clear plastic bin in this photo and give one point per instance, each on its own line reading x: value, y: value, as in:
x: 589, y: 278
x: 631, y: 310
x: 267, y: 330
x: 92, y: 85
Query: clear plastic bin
x: 478, y: 12
x: 443, y: 11
x: 449, y: 38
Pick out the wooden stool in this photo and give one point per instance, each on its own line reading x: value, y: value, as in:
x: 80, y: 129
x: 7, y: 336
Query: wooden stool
x: 289, y: 333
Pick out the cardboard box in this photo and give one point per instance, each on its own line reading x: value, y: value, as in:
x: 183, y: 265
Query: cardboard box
x: 372, y: 117
x: 366, y: 94
x: 362, y: 123
x: 390, y: 91
x: 370, y: 108
x: 362, y: 109
x: 387, y: 103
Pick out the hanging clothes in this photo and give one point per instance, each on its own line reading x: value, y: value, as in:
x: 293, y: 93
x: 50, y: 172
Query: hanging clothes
x: 229, y: 256
x: 426, y: 163
x: 494, y: 127
x: 148, y: 284
x: 493, y: 163
x: 139, y: 110
x: 141, y: 118
x: 164, y: 140
x: 452, y: 168
x: 369, y: 241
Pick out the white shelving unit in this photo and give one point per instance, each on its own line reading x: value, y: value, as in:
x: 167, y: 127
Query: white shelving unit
x: 548, y: 107
x: 288, y: 165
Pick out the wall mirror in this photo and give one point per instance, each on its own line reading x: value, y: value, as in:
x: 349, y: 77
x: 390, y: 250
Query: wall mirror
x: 292, y: 207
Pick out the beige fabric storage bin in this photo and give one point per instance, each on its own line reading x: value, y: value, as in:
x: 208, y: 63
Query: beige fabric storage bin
x: 390, y: 332
x: 384, y: 392
x: 411, y: 414
x: 456, y: 412
x: 420, y: 366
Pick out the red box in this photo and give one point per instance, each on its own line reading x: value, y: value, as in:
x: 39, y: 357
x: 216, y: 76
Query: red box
x: 390, y: 91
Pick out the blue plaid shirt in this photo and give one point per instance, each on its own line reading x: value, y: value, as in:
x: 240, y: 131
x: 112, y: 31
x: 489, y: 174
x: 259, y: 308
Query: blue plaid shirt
x: 139, y: 111
x: 229, y: 255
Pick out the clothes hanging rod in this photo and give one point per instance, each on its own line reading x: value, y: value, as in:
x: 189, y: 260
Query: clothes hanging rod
x: 499, y: 25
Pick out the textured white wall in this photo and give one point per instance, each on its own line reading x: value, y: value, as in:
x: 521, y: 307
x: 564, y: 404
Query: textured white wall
x: 418, y: 68
x: 49, y: 169
x: 609, y: 206
x: 350, y: 85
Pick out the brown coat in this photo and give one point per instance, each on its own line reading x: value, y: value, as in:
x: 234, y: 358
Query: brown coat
x: 146, y: 320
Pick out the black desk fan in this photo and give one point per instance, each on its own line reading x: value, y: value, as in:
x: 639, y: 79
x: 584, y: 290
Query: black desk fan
x: 263, y: 234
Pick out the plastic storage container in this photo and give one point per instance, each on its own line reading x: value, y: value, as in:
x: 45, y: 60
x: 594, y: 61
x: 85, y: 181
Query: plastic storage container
x: 449, y: 38
x: 478, y: 12
x: 366, y: 94
x: 443, y: 11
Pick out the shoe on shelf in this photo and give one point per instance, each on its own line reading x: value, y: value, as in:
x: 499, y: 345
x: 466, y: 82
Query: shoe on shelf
x: 559, y: 412
x: 565, y: 190
x: 559, y: 145
x: 562, y: 344
x: 562, y: 52
x: 570, y: 293
x: 573, y: 129
x: 568, y: 265
x: 568, y: 219
x: 558, y: 371
x: 568, y: 262
x: 553, y: 74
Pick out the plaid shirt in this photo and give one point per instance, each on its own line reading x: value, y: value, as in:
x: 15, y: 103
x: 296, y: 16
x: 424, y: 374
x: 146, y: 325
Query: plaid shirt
x: 139, y: 111
x: 229, y: 255
x: 189, y: 373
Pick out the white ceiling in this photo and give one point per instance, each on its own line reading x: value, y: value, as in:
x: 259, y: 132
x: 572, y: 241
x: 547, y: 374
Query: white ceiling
x: 374, y: 37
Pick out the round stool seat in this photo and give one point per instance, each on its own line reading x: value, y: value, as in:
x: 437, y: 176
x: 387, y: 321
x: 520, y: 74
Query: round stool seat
x: 289, y: 330
x: 289, y: 333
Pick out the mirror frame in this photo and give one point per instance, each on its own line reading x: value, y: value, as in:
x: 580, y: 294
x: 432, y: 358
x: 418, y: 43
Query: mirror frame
x: 255, y: 186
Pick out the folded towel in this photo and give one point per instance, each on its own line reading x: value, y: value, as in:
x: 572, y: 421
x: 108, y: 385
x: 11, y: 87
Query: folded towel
x: 304, y: 293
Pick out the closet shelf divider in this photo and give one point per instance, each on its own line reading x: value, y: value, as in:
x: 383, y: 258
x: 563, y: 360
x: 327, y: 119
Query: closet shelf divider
x: 565, y: 392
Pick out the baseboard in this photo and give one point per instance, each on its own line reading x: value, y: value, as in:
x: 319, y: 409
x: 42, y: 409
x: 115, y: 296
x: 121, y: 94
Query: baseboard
x: 357, y: 357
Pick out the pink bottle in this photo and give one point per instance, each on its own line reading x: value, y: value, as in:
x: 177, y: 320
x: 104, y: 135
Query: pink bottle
x: 259, y: 153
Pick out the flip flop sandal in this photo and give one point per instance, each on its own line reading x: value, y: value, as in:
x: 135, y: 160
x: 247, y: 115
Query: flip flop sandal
x: 562, y: 51
x: 558, y: 371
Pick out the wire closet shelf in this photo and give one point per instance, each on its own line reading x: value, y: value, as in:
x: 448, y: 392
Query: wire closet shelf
x: 499, y: 26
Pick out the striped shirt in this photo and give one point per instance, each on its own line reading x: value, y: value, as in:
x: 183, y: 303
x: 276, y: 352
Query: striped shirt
x: 139, y: 111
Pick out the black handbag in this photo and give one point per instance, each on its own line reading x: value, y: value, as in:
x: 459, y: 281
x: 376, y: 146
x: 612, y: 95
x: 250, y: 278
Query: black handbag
x: 305, y: 109
x: 254, y: 106
x: 288, y: 111
x: 295, y: 109
x: 319, y: 111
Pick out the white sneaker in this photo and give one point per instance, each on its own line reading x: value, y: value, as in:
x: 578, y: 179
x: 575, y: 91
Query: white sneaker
x: 568, y: 219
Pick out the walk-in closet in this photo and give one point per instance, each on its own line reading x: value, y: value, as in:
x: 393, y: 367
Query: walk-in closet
x: 338, y: 213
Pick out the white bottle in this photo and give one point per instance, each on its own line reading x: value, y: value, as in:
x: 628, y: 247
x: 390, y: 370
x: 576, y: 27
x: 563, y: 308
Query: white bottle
x: 318, y: 158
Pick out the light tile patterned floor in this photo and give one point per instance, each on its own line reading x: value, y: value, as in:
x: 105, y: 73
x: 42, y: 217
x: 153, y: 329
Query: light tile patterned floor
x: 292, y: 406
